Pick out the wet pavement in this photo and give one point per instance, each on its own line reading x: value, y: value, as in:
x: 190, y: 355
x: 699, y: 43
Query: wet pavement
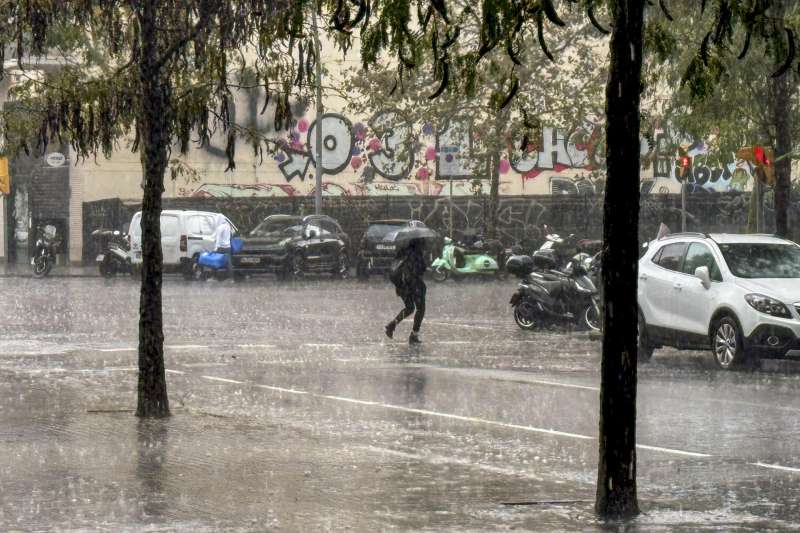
x: 292, y: 412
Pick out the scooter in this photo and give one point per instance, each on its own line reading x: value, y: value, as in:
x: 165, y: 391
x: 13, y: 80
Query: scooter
x: 115, y: 257
x: 44, y: 255
x: 457, y: 262
x: 214, y: 264
x: 554, y: 297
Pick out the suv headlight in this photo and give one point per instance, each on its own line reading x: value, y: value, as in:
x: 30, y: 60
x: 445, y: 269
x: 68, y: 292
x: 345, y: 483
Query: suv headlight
x: 767, y: 305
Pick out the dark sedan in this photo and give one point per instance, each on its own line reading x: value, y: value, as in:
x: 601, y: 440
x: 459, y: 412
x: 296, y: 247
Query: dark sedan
x: 376, y: 250
x: 291, y: 246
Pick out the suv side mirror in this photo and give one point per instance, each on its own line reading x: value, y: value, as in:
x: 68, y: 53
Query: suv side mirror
x: 703, y: 275
x: 311, y: 233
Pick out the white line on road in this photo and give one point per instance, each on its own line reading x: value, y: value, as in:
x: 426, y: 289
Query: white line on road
x: 254, y: 346
x: 281, y: 389
x: 180, y: 372
x: 185, y: 347
x: 671, y: 450
x: 321, y: 345
x: 110, y: 350
x: 776, y: 467
x: 214, y: 378
x: 475, y: 420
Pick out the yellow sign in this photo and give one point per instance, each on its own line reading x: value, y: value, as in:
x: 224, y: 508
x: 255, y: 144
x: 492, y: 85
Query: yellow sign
x: 5, y: 178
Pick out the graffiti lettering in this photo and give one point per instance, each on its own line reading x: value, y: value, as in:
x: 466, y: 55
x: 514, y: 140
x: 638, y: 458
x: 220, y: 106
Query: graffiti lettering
x: 395, y: 158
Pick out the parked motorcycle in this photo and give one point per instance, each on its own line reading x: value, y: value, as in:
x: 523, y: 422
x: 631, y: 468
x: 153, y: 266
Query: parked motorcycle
x: 115, y: 256
x: 562, y: 249
x: 213, y: 264
x: 548, y: 297
x: 44, y: 255
x: 457, y: 261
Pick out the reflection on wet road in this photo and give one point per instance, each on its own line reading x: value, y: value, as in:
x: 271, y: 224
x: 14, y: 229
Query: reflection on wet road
x: 291, y: 410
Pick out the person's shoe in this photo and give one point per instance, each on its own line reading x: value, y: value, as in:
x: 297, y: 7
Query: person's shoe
x: 414, y: 338
x: 389, y: 329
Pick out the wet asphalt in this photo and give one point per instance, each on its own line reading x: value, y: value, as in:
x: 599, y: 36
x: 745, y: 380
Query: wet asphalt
x: 293, y: 412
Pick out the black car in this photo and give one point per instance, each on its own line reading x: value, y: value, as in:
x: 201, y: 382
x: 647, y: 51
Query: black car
x: 291, y: 246
x: 376, y: 250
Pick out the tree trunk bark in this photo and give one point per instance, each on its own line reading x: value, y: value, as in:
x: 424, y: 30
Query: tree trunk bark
x: 616, y: 476
x: 153, y: 131
x: 781, y: 89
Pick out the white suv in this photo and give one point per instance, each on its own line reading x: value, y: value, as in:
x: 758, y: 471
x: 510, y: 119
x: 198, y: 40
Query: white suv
x: 738, y: 295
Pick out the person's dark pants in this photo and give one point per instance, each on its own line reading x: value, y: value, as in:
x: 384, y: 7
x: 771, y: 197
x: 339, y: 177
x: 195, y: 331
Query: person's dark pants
x: 229, y: 260
x: 414, y: 300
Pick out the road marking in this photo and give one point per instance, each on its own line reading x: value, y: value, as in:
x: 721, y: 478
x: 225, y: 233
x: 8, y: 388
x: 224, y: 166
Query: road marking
x: 321, y: 345
x: 201, y: 365
x: 110, y: 350
x: 185, y: 347
x: 253, y: 346
x: 672, y: 450
x: 214, y: 378
x: 281, y: 389
x: 776, y: 467
x: 170, y: 371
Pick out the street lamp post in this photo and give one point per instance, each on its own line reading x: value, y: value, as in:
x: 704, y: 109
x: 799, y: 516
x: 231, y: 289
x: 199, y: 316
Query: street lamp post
x: 320, y: 111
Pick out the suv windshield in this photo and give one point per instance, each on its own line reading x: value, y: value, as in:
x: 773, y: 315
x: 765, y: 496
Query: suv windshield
x: 753, y: 260
x: 381, y: 230
x: 277, y: 229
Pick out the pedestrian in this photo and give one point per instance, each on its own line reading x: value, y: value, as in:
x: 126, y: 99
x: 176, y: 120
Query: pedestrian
x: 407, y: 275
x: 222, y: 242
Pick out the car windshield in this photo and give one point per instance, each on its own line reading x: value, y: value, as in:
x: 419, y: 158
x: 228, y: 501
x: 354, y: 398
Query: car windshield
x: 762, y: 260
x: 381, y: 230
x: 277, y: 229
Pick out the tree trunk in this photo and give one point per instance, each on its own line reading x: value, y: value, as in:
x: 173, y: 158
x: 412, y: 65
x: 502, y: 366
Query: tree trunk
x: 616, y: 476
x: 781, y: 89
x: 153, y: 131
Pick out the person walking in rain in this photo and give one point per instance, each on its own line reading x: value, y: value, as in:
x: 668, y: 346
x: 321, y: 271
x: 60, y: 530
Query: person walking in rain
x: 407, y: 278
x: 222, y: 238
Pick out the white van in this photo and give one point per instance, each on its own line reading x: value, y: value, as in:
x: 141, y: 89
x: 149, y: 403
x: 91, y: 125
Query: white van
x: 184, y: 234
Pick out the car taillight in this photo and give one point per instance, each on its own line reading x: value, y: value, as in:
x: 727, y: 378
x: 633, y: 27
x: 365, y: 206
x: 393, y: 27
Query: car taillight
x: 184, y: 243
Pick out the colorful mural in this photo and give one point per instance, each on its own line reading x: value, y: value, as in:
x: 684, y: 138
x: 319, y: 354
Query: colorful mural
x: 388, y: 156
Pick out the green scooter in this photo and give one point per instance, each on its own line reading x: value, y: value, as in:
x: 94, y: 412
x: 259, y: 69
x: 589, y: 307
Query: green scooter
x: 457, y: 262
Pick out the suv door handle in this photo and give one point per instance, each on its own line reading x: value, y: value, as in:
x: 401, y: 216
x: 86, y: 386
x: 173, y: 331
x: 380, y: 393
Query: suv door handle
x: 643, y: 277
x: 677, y: 286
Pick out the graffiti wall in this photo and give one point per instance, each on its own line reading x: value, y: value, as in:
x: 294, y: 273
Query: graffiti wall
x: 386, y: 155
x: 383, y: 154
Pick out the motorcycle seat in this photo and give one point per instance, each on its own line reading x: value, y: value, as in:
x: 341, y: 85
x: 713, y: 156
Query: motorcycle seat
x: 552, y: 287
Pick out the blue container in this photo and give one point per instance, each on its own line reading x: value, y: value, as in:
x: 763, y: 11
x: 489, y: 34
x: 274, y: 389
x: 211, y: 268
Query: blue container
x: 212, y: 260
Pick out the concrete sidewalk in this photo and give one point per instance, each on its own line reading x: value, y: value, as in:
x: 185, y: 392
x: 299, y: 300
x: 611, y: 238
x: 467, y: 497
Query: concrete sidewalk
x: 69, y: 271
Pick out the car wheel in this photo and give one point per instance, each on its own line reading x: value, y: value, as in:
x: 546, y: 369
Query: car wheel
x: 727, y: 345
x: 188, y: 270
x: 362, y: 272
x: 342, y: 266
x: 644, y: 349
x: 440, y: 274
x: 297, y: 266
x: 198, y: 273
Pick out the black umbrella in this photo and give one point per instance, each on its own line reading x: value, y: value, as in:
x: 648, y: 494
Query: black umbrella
x: 404, y: 237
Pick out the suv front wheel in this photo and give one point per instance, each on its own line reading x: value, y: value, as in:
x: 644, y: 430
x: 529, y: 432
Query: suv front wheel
x: 727, y: 344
